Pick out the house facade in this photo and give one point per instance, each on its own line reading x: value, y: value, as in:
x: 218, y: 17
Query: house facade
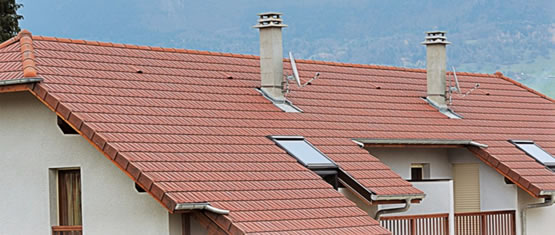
x: 37, y: 150
x: 105, y: 138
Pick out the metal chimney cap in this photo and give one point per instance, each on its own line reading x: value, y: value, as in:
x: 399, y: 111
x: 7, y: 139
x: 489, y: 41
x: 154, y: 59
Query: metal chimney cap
x: 269, y: 19
x: 269, y: 13
x: 436, y: 37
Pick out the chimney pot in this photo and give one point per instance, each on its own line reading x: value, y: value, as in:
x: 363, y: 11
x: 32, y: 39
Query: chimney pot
x: 270, y: 19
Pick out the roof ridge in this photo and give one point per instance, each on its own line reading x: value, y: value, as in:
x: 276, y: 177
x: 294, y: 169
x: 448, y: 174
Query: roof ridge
x: 150, y: 48
x: 27, y: 54
x: 500, y: 75
x: 213, y: 53
x: 10, y: 41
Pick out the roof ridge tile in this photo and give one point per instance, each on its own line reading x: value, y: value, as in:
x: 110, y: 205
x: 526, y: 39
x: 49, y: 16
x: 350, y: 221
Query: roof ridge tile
x: 499, y: 74
x: 27, y: 54
x: 247, y: 56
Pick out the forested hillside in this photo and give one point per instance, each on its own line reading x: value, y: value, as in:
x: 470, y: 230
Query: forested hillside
x: 514, y: 37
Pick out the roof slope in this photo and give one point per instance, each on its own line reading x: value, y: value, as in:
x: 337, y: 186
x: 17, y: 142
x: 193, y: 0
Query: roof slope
x: 187, y: 143
x: 10, y: 62
x: 191, y: 127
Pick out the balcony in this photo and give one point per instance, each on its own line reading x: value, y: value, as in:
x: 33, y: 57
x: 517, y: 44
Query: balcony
x: 474, y: 223
x: 67, y: 230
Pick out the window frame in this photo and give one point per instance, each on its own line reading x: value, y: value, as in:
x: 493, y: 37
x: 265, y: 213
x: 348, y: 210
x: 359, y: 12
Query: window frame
x: 424, y: 171
x: 315, y: 166
x: 420, y: 176
x: 328, y: 171
x: 518, y: 143
x: 59, y: 210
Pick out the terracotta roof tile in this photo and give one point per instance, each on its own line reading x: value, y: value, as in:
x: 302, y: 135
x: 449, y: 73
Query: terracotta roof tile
x: 190, y: 134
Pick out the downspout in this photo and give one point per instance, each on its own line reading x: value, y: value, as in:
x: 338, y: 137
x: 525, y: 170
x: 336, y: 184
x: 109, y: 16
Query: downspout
x: 546, y: 203
x: 394, y: 210
x: 201, y: 206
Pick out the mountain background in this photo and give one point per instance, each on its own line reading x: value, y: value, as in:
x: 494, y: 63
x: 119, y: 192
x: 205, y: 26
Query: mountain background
x: 514, y: 37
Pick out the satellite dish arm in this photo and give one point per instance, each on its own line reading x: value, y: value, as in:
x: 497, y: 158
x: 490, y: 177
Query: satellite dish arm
x: 456, y: 80
x: 312, y: 79
x: 294, y: 68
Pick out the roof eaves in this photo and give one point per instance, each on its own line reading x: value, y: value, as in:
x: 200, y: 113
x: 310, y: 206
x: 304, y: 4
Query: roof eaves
x: 420, y: 142
x: 376, y: 197
x: 97, y: 141
x: 547, y: 193
x: 487, y: 158
x: 19, y: 81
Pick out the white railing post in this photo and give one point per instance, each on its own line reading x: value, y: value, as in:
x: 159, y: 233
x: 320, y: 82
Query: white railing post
x: 451, y: 209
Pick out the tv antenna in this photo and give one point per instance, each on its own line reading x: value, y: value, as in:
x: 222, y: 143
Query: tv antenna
x: 295, y: 76
x: 457, y: 87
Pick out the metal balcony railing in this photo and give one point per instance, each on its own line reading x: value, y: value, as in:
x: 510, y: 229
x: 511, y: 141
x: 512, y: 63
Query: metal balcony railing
x: 67, y: 230
x: 472, y: 223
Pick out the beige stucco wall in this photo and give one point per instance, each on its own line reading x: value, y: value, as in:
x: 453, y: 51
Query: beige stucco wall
x: 495, y: 194
x: 31, y: 144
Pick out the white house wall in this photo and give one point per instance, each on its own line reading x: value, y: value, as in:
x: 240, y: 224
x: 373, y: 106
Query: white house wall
x: 438, y: 193
x: 32, y: 144
x: 539, y: 220
x: 176, y: 226
x: 400, y: 159
x: 494, y: 193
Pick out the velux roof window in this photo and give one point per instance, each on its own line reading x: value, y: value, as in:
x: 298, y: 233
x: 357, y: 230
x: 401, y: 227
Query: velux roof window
x: 530, y: 148
x: 309, y: 156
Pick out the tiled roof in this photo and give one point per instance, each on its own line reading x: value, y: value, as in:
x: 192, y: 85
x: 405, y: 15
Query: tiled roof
x: 190, y: 126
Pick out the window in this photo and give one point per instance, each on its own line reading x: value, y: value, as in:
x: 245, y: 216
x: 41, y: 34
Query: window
x: 69, y: 197
x: 416, y: 172
x: 309, y: 156
x: 530, y: 148
x: 419, y: 171
x: 304, y: 152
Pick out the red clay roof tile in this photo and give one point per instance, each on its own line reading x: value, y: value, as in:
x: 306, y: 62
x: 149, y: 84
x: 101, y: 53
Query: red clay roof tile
x: 190, y: 134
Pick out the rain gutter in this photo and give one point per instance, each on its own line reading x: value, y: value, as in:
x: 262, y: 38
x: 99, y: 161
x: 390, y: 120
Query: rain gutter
x: 201, y: 206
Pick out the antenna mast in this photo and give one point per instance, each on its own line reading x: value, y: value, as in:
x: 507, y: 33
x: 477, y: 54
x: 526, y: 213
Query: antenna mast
x: 457, y: 87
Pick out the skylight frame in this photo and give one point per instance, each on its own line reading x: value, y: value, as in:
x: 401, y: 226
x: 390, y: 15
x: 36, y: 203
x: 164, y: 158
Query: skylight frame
x: 326, y: 164
x: 543, y: 158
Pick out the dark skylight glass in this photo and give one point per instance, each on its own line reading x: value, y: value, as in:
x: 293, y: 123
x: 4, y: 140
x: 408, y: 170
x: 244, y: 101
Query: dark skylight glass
x: 303, y: 151
x: 530, y: 148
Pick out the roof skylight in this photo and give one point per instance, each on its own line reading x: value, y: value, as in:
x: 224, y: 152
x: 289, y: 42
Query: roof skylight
x: 303, y: 151
x: 310, y: 157
x: 530, y: 148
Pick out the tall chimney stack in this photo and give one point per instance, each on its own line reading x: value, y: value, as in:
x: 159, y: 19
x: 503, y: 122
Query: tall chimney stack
x: 271, y: 54
x: 436, y: 63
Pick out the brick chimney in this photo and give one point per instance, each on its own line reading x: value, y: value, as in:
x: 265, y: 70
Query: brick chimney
x: 271, y: 54
x: 436, y: 63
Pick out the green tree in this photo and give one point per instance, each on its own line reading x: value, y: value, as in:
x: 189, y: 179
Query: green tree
x: 9, y: 25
